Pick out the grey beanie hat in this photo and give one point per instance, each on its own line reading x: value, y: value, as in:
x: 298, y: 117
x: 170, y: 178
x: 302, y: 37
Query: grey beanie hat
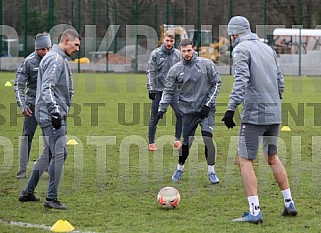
x: 238, y: 25
x: 42, y: 41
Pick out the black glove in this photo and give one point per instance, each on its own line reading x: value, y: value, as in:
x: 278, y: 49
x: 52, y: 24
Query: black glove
x: 56, y: 120
x: 204, y: 111
x: 159, y: 116
x: 151, y: 95
x: 228, y: 119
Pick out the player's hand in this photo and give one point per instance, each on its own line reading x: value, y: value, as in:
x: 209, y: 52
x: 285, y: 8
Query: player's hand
x: 151, y: 95
x: 228, y: 119
x: 159, y: 116
x: 27, y: 112
x: 204, y: 111
x: 56, y: 120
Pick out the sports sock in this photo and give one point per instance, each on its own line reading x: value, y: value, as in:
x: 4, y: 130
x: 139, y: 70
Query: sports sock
x: 180, y: 167
x: 210, y: 169
x: 287, y: 197
x: 254, y: 205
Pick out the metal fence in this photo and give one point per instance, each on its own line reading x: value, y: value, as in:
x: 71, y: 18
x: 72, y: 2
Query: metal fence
x: 107, y: 28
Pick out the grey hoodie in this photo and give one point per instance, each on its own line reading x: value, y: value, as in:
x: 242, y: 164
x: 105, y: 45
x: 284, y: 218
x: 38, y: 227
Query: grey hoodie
x: 197, y: 83
x: 160, y: 61
x: 27, y: 77
x: 258, y: 82
x: 54, y: 87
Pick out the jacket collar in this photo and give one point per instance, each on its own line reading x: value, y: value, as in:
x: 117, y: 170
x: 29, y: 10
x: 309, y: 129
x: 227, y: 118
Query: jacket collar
x: 58, y: 49
x: 37, y: 55
x: 190, y: 62
x: 244, y: 37
x: 167, y: 51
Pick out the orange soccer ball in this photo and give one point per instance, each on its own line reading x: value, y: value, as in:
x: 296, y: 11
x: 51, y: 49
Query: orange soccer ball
x: 168, y: 198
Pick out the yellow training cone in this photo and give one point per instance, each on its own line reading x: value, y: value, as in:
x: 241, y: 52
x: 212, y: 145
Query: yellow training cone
x: 72, y: 142
x: 62, y: 226
x: 8, y: 84
x: 285, y: 129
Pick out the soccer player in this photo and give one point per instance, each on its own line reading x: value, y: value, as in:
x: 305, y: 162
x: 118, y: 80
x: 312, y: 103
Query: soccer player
x: 53, y: 99
x: 197, y: 82
x: 160, y: 61
x: 26, y: 78
x: 258, y: 85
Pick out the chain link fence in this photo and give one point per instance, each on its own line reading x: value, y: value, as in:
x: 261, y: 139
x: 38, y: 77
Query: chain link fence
x: 118, y: 35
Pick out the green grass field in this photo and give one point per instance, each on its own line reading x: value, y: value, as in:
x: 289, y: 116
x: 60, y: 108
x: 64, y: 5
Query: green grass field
x: 111, y: 181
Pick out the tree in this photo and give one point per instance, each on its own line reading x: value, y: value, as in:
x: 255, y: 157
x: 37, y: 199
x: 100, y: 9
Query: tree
x: 289, y: 11
x: 37, y: 23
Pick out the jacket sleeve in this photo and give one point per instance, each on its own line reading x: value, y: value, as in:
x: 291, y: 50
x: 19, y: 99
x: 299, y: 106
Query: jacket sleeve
x: 281, y: 84
x: 50, y: 78
x: 71, y: 84
x: 151, y: 72
x: 216, y: 83
x: 241, y: 77
x: 20, y: 85
x: 71, y: 88
x: 169, y: 90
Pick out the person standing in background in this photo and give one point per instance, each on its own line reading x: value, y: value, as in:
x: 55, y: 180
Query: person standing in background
x: 26, y: 78
x: 160, y: 61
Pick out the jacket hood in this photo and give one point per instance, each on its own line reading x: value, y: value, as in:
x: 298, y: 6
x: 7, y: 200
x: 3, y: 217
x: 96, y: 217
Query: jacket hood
x: 250, y: 36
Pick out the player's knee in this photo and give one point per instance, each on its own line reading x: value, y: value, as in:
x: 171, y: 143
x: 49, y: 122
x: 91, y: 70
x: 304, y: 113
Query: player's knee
x: 272, y: 159
x: 244, y: 162
x: 239, y: 161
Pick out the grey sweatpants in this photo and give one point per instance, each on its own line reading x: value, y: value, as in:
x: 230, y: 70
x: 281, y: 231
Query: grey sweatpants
x: 55, y: 141
x: 29, y: 129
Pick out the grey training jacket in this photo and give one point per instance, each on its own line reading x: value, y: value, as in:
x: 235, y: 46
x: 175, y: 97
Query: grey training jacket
x: 55, y: 88
x: 258, y: 82
x: 160, y: 61
x: 26, y: 77
x: 197, y: 83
